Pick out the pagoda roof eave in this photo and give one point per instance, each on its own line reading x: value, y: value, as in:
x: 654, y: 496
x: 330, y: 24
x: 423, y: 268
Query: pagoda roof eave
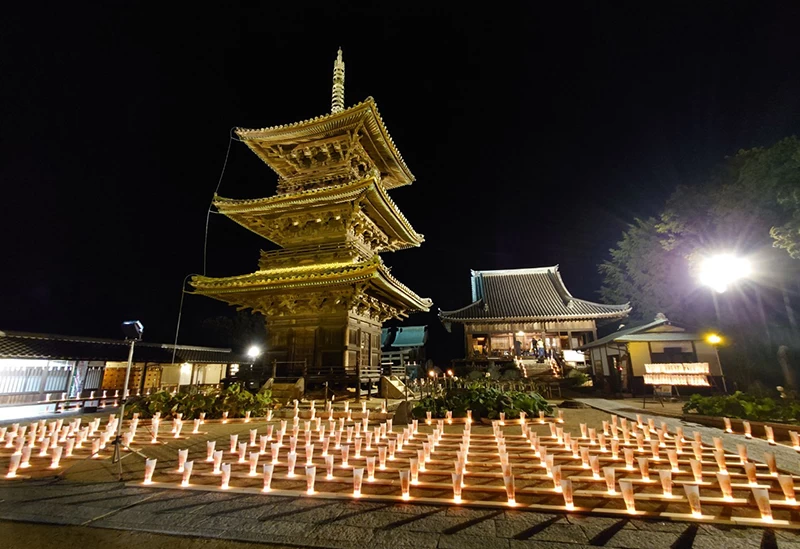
x: 362, y: 115
x: 373, y: 272
x: 372, y: 192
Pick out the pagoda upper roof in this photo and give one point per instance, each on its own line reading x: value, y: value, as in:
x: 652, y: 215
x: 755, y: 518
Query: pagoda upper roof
x: 234, y: 289
x: 520, y: 295
x: 381, y: 209
x: 362, y: 116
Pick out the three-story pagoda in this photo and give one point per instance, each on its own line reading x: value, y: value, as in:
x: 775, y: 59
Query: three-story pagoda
x: 327, y: 292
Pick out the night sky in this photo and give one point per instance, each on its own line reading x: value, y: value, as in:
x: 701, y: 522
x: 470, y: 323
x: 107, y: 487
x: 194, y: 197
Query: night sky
x: 535, y: 137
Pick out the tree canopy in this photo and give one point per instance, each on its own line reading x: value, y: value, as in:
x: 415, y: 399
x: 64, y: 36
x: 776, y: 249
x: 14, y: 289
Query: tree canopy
x: 749, y: 206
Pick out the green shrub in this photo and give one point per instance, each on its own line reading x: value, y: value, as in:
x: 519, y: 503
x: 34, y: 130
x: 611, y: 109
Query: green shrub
x: 745, y: 406
x: 486, y: 400
x: 235, y: 399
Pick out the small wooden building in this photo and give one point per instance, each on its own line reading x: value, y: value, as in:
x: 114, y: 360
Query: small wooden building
x: 619, y: 361
x: 403, y: 350
x: 37, y: 367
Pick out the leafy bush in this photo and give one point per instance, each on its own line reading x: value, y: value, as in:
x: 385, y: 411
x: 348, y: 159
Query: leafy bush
x: 484, y: 399
x: 745, y: 406
x: 236, y: 400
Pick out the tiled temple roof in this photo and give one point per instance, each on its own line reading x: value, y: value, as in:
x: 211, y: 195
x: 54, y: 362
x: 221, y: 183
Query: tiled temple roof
x: 527, y: 295
x: 61, y: 347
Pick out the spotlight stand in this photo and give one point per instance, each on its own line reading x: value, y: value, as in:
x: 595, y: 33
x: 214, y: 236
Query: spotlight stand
x: 133, y: 330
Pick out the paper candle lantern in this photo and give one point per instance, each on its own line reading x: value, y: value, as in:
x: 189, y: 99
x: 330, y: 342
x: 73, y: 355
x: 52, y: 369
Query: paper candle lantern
x: 13, y: 465
x: 772, y: 464
x: 626, y: 488
x: 182, y: 455
x: 262, y: 444
x: 268, y: 469
x: 187, y: 473
x: 693, y: 495
x: 770, y: 438
x: 761, y: 496
x: 311, y: 476
x: 253, y: 464
x: 750, y: 471
x: 508, y: 481
x: 697, y: 470
x: 629, y: 459
x: 226, y: 476
x: 358, y: 477
x: 566, y: 490
x: 404, y: 484
x: 672, y: 455
x: 720, y: 457
x: 644, y: 468
x: 787, y: 485
x: 458, y: 482
x: 557, y: 478
x: 725, y: 487
x: 149, y: 468
x: 217, y: 462
x: 69, y: 445
x: 742, y: 450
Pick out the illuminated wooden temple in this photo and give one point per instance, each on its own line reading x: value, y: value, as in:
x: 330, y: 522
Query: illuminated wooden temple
x: 524, y: 313
x: 326, y: 294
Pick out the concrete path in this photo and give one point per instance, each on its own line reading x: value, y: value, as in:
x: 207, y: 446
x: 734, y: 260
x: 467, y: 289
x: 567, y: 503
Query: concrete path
x: 787, y: 458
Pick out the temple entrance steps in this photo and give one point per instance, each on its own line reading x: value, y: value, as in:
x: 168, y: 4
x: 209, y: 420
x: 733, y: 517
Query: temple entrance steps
x: 286, y: 391
x: 393, y: 387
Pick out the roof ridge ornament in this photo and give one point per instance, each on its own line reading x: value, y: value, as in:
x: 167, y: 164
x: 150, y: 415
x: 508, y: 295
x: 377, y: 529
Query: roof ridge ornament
x: 337, y: 98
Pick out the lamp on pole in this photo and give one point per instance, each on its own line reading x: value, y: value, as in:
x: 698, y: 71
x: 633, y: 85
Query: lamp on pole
x: 253, y: 352
x: 133, y: 330
x: 719, y: 272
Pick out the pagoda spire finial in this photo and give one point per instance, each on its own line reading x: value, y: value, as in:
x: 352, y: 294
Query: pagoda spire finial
x: 337, y: 99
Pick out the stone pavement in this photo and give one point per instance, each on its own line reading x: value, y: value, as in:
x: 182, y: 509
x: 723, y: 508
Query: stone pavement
x: 337, y: 524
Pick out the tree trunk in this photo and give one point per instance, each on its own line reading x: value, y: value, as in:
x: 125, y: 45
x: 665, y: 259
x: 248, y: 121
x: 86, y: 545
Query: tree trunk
x: 787, y: 303
x: 783, y: 360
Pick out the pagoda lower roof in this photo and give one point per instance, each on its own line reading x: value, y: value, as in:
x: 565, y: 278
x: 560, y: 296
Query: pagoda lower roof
x: 373, y: 272
x: 251, y: 212
x: 521, y: 295
x: 362, y: 116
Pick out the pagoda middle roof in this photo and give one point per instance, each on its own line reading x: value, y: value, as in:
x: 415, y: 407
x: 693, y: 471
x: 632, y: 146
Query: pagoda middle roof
x: 373, y: 271
x: 382, y: 208
x: 364, y: 115
x: 537, y: 294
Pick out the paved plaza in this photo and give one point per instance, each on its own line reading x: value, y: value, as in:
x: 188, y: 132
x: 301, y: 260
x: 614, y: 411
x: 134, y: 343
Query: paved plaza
x: 99, y: 507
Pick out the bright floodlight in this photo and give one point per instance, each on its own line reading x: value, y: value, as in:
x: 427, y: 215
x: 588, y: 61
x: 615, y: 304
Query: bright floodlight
x: 720, y: 271
x: 253, y: 351
x: 714, y: 339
